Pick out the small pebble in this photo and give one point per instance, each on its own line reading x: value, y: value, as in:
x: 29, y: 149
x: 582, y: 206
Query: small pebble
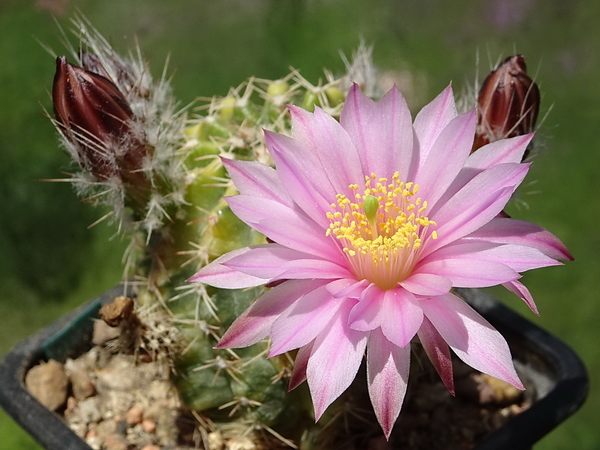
x: 81, y: 384
x: 115, y: 443
x: 151, y: 447
x: 149, y: 426
x: 71, y: 404
x: 48, y: 383
x: 134, y: 416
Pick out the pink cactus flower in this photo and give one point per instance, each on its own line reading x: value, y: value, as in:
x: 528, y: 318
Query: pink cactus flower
x: 372, y: 221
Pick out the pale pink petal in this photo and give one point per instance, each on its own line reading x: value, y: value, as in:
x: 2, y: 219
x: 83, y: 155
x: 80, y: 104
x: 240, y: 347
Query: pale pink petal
x: 275, y: 221
x: 367, y: 314
x: 217, y: 275
x: 499, y: 152
x: 300, y: 323
x: 471, y: 337
x: 274, y: 261
x: 299, y: 372
x: 313, y: 268
x: 518, y: 257
x: 509, y: 150
x: 335, y: 359
x: 387, y: 374
x: 347, y: 287
x: 478, y: 202
x: 396, y: 311
x: 446, y: 157
x: 264, y: 261
x: 427, y: 284
x: 438, y: 353
x: 332, y: 145
x: 512, y: 231
x: 256, y: 179
x: 401, y: 316
x: 470, y: 273
x: 255, y: 323
x: 518, y: 288
x: 432, y: 119
x: 302, y: 176
x: 382, y: 150
x: 506, y: 151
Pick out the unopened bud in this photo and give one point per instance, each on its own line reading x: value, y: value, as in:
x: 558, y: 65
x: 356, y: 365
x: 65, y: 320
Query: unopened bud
x: 335, y: 96
x: 508, y: 103
x: 227, y: 108
x: 95, y: 117
x: 278, y: 87
x: 309, y: 101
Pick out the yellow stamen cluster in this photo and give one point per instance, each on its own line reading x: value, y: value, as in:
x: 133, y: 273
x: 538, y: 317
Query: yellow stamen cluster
x: 381, y: 228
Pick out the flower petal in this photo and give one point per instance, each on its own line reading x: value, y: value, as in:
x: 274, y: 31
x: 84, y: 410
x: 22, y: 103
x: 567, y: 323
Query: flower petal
x: 432, y: 119
x: 367, y: 314
x: 396, y: 311
x: 402, y: 316
x: 347, y: 287
x: 512, y: 231
x: 387, y: 374
x: 520, y: 258
x: 299, y: 372
x: 254, y: 324
x: 499, y: 152
x: 274, y: 261
x: 275, y: 221
x: 471, y: 337
x: 427, y: 284
x: 303, y: 321
x: 382, y: 150
x: 256, y: 179
x: 218, y: 275
x: 478, y: 202
x: 302, y: 176
x: 438, y: 353
x: 521, y: 290
x: 446, y: 157
x: 470, y: 273
x: 335, y: 359
x: 504, y: 151
x: 332, y: 145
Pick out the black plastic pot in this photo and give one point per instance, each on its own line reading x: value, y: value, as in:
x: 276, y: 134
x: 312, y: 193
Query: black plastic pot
x: 556, y: 372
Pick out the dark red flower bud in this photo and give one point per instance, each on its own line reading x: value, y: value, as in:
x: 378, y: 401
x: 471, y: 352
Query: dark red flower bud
x: 95, y: 117
x: 508, y: 103
x: 89, y: 106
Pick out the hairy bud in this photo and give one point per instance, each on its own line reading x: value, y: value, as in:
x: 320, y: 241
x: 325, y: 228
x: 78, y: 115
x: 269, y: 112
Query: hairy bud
x: 508, y: 103
x: 96, y: 119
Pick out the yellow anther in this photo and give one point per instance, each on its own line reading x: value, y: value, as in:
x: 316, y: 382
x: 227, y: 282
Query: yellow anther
x: 380, y: 228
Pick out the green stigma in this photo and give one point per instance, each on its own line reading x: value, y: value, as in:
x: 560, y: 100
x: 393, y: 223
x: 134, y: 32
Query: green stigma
x: 370, y: 207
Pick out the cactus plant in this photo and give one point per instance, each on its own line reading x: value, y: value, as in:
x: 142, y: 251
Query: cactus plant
x: 164, y: 174
x: 160, y: 171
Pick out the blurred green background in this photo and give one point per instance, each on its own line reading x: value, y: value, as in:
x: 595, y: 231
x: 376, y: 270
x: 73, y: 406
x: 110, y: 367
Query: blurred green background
x: 50, y: 261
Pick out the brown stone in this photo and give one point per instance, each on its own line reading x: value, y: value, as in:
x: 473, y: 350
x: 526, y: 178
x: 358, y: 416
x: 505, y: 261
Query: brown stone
x: 149, y: 426
x: 81, y: 384
x: 134, y: 416
x: 48, y: 383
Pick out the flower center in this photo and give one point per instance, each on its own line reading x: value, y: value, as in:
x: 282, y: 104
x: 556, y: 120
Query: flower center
x: 381, y: 229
